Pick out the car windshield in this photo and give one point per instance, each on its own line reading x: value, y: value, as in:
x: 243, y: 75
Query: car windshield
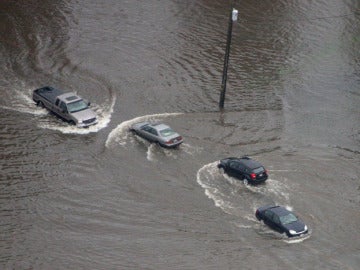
x: 258, y: 170
x: 167, y: 132
x: 77, y: 106
x: 289, y: 218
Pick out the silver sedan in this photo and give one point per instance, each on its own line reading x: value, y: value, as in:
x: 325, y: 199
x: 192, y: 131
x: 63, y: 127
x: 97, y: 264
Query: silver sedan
x: 158, y: 133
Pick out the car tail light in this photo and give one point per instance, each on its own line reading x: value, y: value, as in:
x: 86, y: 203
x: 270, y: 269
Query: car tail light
x: 266, y: 171
x: 253, y: 176
x: 177, y: 139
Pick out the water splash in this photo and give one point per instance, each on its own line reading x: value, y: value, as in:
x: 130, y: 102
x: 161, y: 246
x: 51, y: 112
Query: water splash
x: 23, y: 103
x: 103, y: 114
x: 237, y: 199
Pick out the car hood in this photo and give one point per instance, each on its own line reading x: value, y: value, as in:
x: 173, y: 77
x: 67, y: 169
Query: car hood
x: 84, y: 115
x: 296, y: 226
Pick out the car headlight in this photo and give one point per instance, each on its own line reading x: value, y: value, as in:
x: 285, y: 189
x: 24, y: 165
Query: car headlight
x: 292, y: 232
x: 305, y: 228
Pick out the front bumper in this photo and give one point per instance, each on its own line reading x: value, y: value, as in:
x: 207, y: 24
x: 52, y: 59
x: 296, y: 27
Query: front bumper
x: 87, y: 123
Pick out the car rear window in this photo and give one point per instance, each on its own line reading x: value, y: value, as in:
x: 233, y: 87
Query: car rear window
x: 167, y: 132
x: 259, y: 170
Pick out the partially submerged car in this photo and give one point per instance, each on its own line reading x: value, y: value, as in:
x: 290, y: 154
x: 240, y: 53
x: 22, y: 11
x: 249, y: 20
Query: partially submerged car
x: 68, y: 106
x: 244, y: 168
x: 281, y: 220
x: 158, y: 133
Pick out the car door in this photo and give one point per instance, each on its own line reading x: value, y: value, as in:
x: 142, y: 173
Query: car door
x: 272, y: 220
x: 154, y: 134
x: 64, y: 111
x: 57, y: 107
x: 145, y: 132
x: 232, y: 168
x: 241, y: 171
x: 151, y: 134
x: 277, y: 224
x: 268, y: 216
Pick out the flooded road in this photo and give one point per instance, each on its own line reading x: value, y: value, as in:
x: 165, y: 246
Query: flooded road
x: 102, y: 198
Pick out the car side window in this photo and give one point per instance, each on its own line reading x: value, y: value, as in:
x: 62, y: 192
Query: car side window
x: 269, y: 214
x: 242, y: 167
x: 148, y: 129
x: 233, y: 165
x: 276, y: 219
x: 63, y: 106
x: 153, y: 131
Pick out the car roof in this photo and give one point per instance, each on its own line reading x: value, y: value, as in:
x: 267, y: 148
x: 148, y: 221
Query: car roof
x: 70, y: 97
x: 159, y: 126
x: 248, y: 162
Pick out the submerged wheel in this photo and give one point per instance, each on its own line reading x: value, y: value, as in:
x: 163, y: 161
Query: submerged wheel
x: 246, y: 182
x: 40, y: 104
x: 72, y: 123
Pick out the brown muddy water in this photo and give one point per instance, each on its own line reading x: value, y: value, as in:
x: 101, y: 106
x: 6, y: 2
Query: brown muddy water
x: 100, y: 198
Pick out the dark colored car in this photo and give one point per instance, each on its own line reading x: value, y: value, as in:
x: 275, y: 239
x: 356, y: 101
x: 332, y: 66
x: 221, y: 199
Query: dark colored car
x: 245, y: 168
x: 158, y: 133
x: 281, y: 220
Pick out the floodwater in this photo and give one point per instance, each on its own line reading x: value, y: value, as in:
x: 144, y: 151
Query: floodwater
x: 101, y: 198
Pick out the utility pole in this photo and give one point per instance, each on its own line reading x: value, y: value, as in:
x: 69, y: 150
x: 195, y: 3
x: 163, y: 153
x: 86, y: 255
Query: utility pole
x: 232, y: 18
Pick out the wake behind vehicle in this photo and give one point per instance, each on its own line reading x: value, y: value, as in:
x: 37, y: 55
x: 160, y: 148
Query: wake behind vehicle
x: 68, y: 106
x: 244, y: 168
x: 281, y: 220
x: 158, y: 133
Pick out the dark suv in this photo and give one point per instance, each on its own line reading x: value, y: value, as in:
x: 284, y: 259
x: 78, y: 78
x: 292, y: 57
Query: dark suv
x: 244, y: 168
x: 282, y: 220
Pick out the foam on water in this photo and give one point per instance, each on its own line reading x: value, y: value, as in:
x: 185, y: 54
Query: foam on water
x: 275, y: 188
x: 296, y: 240
x: 154, y: 149
x: 216, y: 189
x: 23, y: 103
x: 150, y: 153
x: 191, y: 149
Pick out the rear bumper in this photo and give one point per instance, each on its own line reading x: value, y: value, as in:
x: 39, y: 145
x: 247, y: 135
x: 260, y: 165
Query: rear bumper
x: 174, y: 145
x: 257, y: 181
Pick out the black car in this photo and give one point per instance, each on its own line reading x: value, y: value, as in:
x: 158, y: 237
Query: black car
x: 244, y: 168
x: 281, y: 220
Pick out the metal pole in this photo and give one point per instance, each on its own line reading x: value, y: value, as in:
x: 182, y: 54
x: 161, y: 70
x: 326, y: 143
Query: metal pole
x: 226, y: 61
